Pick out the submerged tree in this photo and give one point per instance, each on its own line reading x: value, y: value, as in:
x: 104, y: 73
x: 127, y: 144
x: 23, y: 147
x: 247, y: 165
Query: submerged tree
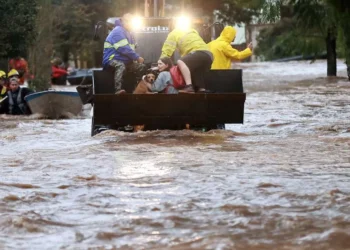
x: 40, y: 51
x: 342, y: 13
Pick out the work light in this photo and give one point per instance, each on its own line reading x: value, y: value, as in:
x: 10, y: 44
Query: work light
x: 136, y: 23
x: 183, y: 22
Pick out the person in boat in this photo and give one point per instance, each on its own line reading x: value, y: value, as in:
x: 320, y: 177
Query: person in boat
x: 21, y: 65
x: 16, y: 105
x: 3, y: 91
x: 59, y: 73
x: 195, y: 60
x: 119, y: 52
x: 164, y: 81
x: 223, y: 51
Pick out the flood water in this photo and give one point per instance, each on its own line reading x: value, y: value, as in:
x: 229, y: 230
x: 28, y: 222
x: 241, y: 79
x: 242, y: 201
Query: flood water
x: 279, y: 181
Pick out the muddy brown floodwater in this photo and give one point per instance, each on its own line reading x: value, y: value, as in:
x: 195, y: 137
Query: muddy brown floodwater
x: 279, y: 181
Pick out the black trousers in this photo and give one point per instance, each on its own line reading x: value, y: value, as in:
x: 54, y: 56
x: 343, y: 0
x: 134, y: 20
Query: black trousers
x: 59, y: 81
x: 198, y: 63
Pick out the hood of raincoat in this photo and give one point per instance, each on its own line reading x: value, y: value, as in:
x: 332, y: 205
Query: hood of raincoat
x: 228, y: 34
x: 118, y: 22
x: 223, y: 52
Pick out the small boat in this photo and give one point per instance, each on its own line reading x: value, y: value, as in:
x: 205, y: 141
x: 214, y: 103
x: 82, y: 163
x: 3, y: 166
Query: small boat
x: 55, y: 104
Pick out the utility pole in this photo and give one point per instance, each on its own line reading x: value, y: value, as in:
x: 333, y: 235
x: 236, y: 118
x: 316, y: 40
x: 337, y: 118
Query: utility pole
x: 155, y: 8
x: 182, y: 5
x: 156, y: 5
x: 136, y: 6
x: 146, y: 6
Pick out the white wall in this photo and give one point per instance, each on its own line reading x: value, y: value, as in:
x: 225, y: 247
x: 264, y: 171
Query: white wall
x: 240, y: 36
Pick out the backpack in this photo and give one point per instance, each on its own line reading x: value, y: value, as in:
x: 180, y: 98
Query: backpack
x: 176, y: 76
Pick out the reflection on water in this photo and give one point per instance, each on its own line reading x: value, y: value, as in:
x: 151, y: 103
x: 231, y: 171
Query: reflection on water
x: 279, y: 181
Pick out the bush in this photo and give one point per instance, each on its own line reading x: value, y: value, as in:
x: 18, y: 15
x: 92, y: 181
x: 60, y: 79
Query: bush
x: 39, y: 84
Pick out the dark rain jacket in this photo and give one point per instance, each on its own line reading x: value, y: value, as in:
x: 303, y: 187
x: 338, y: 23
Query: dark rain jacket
x: 119, y: 45
x: 15, y: 103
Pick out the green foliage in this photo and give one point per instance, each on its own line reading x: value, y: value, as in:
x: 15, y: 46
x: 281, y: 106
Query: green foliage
x: 341, y: 44
x: 314, y: 14
x: 286, y: 40
x: 74, y: 22
x: 240, y: 11
x: 71, y: 24
x: 304, y: 33
x: 271, y: 10
x: 17, y: 25
x: 39, y: 84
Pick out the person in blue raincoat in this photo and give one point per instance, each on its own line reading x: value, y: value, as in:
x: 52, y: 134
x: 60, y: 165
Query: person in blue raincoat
x: 119, y: 52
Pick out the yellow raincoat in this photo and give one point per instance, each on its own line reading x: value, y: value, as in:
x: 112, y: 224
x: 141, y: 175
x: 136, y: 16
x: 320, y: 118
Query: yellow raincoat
x: 3, y: 89
x: 223, y: 51
x: 184, y: 41
x: 3, y: 92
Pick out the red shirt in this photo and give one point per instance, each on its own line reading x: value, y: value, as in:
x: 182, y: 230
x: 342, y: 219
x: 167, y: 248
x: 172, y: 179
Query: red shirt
x: 58, y: 72
x: 20, y: 65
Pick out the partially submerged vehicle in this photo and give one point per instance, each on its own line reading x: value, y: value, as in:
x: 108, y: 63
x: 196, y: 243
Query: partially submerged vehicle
x: 162, y: 111
x: 224, y: 103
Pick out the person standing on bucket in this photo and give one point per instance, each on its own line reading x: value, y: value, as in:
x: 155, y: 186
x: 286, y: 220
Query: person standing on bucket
x: 119, y: 52
x: 195, y: 59
x: 223, y: 51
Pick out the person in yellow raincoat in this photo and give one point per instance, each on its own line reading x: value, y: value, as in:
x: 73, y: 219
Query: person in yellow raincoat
x: 3, y: 89
x: 3, y: 92
x: 196, y: 57
x: 223, y: 51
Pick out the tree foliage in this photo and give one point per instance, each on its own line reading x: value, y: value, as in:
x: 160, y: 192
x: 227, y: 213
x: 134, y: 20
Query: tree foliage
x: 275, y: 43
x: 304, y: 32
x: 17, y: 25
x: 74, y: 22
x: 311, y: 24
x: 240, y: 11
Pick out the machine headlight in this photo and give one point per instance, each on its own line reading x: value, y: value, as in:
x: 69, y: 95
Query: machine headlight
x: 136, y: 23
x: 183, y: 23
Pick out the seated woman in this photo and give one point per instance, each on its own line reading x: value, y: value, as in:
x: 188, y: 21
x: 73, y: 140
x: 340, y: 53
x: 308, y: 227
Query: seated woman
x: 164, y: 82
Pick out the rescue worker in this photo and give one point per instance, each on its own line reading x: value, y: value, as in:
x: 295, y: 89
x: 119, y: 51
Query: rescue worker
x: 3, y: 92
x: 3, y: 89
x: 119, y: 52
x: 195, y: 60
x: 20, y: 64
x: 223, y: 51
x: 58, y: 73
x: 15, y: 102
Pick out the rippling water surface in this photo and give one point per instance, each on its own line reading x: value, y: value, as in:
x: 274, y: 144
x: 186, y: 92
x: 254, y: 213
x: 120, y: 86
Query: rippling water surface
x: 279, y: 181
